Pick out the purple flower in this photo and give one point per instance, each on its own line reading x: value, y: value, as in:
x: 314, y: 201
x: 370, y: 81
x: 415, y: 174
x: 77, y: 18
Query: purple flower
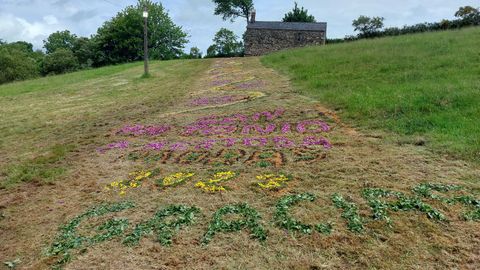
x: 229, y: 142
x: 286, y: 128
x: 312, y: 140
x: 283, y: 142
x: 156, y: 130
x: 218, y: 130
x: 235, y: 118
x: 207, y: 144
x: 305, y: 126
x: 255, y: 142
x: 208, y: 120
x: 263, y: 131
x: 179, y: 146
x: 156, y: 145
x: 117, y: 145
x: 132, y: 130
x: 249, y: 85
x: 209, y: 130
x: 268, y: 115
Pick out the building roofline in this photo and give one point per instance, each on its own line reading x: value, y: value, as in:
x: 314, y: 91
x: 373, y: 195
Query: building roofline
x: 296, y: 26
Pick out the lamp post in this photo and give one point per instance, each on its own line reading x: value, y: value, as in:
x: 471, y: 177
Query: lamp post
x: 145, y: 41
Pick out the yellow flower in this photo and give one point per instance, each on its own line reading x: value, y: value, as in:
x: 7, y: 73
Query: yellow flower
x: 200, y: 184
x: 272, y: 181
x: 176, y: 178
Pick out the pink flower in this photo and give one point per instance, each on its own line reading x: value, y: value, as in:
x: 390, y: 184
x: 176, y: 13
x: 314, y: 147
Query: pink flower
x: 263, y: 131
x: 117, y: 145
x: 208, y: 120
x: 251, y: 142
x: 156, y: 130
x: 156, y: 145
x: 218, y: 130
x: 207, y: 144
x: 229, y: 142
x: 283, y: 142
x: 132, y: 130
x: 268, y: 115
x: 305, y: 126
x: 179, y: 146
x: 208, y: 129
x: 286, y: 128
x: 234, y: 119
x: 312, y: 140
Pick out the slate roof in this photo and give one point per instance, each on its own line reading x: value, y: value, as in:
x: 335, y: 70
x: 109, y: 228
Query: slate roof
x: 295, y: 26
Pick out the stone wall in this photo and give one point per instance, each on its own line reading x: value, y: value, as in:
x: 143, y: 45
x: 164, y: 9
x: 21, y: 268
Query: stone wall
x: 263, y: 41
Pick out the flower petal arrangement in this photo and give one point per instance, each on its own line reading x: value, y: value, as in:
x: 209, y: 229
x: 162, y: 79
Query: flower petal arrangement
x: 134, y: 181
x: 272, y: 181
x: 175, y: 179
x: 212, y: 185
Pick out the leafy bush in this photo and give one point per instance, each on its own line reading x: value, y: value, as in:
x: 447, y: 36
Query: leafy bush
x: 60, y: 61
x: 16, y: 65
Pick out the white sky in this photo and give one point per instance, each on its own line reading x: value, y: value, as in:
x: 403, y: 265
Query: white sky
x: 34, y: 20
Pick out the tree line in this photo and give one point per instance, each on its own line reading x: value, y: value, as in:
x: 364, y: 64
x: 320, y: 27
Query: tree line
x: 120, y: 39
x: 373, y: 27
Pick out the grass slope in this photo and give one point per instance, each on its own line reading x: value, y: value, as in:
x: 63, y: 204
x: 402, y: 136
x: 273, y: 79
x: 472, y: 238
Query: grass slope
x: 53, y: 131
x: 423, y: 85
x: 45, y: 119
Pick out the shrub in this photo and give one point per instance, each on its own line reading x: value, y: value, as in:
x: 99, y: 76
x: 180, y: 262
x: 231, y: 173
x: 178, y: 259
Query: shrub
x: 58, y: 62
x: 16, y: 65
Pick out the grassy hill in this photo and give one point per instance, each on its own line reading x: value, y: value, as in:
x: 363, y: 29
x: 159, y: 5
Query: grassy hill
x: 221, y: 163
x: 44, y: 119
x: 423, y: 87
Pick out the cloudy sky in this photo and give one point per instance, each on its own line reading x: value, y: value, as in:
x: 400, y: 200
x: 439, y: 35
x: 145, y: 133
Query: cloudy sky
x: 34, y: 20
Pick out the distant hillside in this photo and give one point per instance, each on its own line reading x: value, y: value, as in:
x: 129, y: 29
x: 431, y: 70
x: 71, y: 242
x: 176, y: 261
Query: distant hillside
x: 424, y: 87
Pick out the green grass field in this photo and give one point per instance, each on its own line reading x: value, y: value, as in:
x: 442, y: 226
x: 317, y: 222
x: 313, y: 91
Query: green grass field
x: 223, y: 164
x: 423, y: 86
x: 44, y: 119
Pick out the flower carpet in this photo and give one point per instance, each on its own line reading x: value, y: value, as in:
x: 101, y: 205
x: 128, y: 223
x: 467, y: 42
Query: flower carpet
x: 243, y: 172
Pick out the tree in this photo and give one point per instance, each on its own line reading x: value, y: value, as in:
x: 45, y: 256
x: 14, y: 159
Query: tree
x: 467, y: 12
x: 368, y: 27
x: 298, y: 15
x: 211, y: 51
x: 84, y: 50
x: 226, y: 44
x: 231, y: 9
x: 16, y: 64
x: 59, y: 40
x: 60, y: 61
x: 120, y: 39
x: 195, y: 53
